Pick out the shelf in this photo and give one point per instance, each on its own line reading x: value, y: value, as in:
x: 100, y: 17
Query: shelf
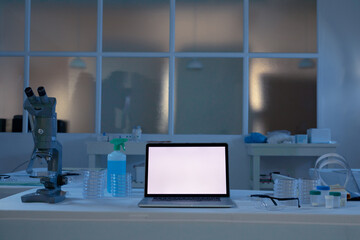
x: 311, y: 149
x: 258, y: 150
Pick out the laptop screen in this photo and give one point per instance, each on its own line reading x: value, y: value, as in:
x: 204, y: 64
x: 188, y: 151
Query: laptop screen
x: 186, y: 169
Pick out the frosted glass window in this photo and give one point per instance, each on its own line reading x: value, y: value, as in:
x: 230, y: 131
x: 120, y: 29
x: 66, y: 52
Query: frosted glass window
x: 63, y: 25
x: 209, y: 25
x: 11, y: 90
x: 282, y: 95
x: 141, y: 25
x: 208, y: 96
x: 135, y: 92
x: 12, y: 25
x: 72, y: 86
x: 282, y: 26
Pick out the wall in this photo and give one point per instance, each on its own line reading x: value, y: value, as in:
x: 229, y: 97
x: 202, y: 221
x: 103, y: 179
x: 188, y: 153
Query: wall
x: 338, y: 102
x: 339, y: 80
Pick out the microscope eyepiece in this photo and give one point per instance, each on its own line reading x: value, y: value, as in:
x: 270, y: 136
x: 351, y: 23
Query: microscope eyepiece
x: 42, y: 95
x: 31, y: 96
x: 41, y: 91
x: 29, y: 92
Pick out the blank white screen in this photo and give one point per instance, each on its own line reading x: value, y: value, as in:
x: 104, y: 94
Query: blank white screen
x: 187, y: 170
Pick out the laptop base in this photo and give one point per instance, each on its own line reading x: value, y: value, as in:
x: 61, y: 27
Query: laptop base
x: 149, y: 202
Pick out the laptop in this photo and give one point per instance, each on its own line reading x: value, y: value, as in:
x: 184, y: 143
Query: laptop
x: 186, y: 175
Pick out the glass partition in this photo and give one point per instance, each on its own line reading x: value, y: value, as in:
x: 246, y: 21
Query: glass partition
x: 135, y: 92
x: 12, y: 25
x: 282, y: 95
x: 282, y: 26
x: 208, y: 96
x: 136, y: 26
x: 209, y: 26
x: 73, y: 87
x: 63, y: 25
x: 11, y: 93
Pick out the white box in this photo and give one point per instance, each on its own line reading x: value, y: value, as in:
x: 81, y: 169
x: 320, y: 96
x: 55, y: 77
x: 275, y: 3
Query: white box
x: 319, y: 135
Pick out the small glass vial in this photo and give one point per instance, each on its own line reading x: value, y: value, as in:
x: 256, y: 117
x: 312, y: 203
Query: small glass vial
x: 324, y: 192
x: 136, y: 133
x: 337, y: 198
x: 329, y: 201
x: 315, y: 197
x: 343, y: 199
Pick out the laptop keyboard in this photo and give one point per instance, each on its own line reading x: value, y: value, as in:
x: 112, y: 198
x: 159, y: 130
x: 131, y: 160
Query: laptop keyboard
x: 186, y: 199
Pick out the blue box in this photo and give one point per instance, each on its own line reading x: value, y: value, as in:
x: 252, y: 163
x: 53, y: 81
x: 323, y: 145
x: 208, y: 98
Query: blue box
x: 301, y: 138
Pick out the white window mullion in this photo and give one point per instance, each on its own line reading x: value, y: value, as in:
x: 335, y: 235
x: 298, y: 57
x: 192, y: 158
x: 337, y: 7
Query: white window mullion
x: 282, y: 55
x: 246, y: 69
x: 172, y: 70
x: 26, y: 60
x: 319, y: 118
x: 98, y: 67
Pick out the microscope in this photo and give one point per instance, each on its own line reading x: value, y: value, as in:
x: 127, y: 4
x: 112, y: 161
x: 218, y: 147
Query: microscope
x: 43, y: 123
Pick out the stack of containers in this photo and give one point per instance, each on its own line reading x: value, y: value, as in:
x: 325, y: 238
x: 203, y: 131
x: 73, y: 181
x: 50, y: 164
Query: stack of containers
x: 286, y: 188
x: 305, y: 186
x: 121, y: 185
x: 94, y: 183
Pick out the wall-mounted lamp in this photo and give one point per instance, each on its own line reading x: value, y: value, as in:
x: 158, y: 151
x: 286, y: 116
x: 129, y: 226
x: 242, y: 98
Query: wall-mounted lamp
x: 194, y: 64
x: 307, y: 63
x: 77, y: 63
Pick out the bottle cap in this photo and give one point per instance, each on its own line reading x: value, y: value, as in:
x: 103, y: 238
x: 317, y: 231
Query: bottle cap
x: 119, y: 142
x: 336, y: 194
x: 326, y: 188
x: 315, y: 192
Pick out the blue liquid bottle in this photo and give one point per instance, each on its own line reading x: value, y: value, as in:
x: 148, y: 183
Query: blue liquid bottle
x: 116, y: 169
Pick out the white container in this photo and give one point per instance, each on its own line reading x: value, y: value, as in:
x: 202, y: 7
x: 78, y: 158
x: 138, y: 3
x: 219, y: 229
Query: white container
x: 343, y: 199
x: 319, y: 135
x: 337, y: 199
x: 329, y: 201
x: 315, y: 198
x: 324, y: 192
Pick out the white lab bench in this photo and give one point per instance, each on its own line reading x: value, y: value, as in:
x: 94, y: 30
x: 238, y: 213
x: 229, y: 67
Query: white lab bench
x: 258, y: 150
x: 121, y: 218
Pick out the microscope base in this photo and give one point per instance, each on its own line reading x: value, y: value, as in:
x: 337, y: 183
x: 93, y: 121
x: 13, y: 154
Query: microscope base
x: 44, y: 195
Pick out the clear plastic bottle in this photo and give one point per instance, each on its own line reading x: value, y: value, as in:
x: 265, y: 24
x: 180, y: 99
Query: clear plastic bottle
x: 116, y: 167
x: 136, y: 133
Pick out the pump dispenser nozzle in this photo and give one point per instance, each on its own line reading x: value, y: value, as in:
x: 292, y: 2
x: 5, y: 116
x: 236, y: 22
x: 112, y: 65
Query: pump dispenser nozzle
x: 118, y: 142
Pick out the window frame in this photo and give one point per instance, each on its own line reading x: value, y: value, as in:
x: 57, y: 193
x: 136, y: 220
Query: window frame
x: 171, y: 55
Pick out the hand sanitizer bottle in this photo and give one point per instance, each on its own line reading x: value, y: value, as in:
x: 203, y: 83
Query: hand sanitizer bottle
x: 116, y: 169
